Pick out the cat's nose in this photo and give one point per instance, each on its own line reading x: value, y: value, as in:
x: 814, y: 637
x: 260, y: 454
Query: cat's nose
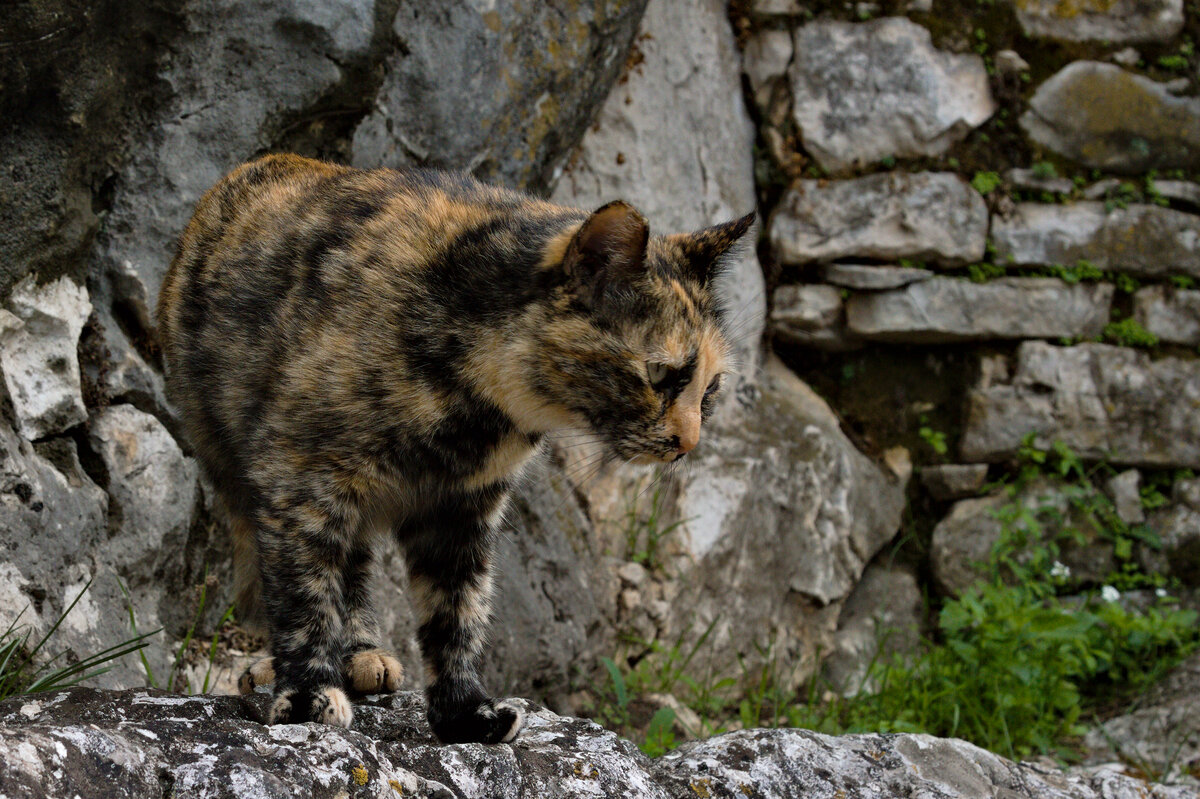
x: 688, y: 437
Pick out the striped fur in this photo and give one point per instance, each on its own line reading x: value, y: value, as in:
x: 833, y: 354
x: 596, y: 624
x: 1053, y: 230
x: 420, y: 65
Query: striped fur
x: 356, y: 353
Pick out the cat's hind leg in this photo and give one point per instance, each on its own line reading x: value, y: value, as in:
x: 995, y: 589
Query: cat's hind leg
x: 449, y: 565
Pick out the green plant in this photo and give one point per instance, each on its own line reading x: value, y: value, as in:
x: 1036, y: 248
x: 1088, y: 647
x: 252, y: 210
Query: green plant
x: 22, y: 673
x: 1044, y: 170
x: 1174, y: 62
x: 936, y: 439
x: 1183, y: 281
x: 645, y: 532
x: 983, y: 272
x: 986, y: 182
x: 660, y: 733
x: 1130, y: 333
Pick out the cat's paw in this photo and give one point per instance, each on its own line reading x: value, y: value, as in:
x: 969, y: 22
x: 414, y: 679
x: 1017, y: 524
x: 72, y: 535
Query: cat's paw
x: 374, y: 671
x: 324, y: 705
x: 489, y: 722
x: 261, y: 673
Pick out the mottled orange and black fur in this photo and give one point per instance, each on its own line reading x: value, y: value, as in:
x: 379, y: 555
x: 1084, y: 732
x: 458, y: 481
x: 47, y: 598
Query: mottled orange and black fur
x: 362, y: 353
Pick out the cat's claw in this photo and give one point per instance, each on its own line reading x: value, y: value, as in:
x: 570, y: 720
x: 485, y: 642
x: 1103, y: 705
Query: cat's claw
x: 489, y: 722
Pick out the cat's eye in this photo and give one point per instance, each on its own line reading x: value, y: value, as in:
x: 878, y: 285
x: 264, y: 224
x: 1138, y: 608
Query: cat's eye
x: 713, y: 386
x: 657, y: 372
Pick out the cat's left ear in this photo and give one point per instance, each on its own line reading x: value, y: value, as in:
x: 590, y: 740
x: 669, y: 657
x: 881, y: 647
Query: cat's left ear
x: 704, y: 249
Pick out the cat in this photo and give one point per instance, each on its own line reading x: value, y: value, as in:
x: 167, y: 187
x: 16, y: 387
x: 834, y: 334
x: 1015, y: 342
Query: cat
x: 356, y: 353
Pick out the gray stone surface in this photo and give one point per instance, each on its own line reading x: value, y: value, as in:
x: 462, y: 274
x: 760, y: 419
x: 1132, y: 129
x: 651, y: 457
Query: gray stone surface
x: 883, y: 616
x: 810, y: 315
x: 677, y: 128
x: 1143, y: 240
x: 148, y: 744
x: 1181, y: 191
x: 864, y: 91
x: 946, y: 309
x: 954, y: 480
x: 38, y: 342
x: 932, y: 216
x: 1107, y: 118
x: 963, y: 541
x: 873, y: 278
x: 1029, y: 180
x: 765, y: 59
x: 1104, y: 402
x: 1171, y: 314
x: 1125, y: 491
x: 1178, y: 528
x: 464, y: 92
x: 1101, y: 20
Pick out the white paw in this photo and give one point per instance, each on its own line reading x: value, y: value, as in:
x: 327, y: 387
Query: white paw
x: 332, y: 706
x: 281, y: 708
x: 518, y: 722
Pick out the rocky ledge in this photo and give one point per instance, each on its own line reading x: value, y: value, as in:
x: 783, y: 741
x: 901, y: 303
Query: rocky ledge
x: 86, y: 742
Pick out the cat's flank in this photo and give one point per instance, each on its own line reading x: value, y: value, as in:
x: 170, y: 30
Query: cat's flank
x: 365, y: 353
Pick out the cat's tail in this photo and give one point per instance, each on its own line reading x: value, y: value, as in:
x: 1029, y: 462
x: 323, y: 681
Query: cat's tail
x: 247, y: 583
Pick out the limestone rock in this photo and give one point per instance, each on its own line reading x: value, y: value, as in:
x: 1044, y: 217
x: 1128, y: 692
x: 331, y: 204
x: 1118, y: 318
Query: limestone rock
x: 931, y: 216
x: 1171, y: 314
x: 677, y: 128
x: 862, y: 92
x: 886, y: 607
x: 1101, y: 20
x: 947, y: 309
x: 954, y: 480
x: 1178, y: 528
x: 152, y: 487
x: 38, y: 344
x: 1181, y: 191
x: 1029, y: 180
x: 1124, y: 490
x: 873, y: 278
x: 963, y: 541
x: 1143, y: 240
x: 810, y: 315
x: 765, y: 59
x: 1104, y: 402
x: 1107, y: 118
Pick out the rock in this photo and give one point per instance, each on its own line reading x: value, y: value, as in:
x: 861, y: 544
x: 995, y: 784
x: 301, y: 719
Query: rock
x: 1142, y: 240
x: 1029, y: 180
x: 946, y: 309
x: 963, y: 541
x: 1171, y: 314
x: 791, y: 764
x: 149, y: 744
x: 38, y: 344
x: 1103, y: 189
x: 1104, y: 21
x: 1162, y: 734
x: 1178, y: 528
x: 1104, y: 402
x: 1126, y: 57
x: 931, y: 216
x: 1107, y: 118
x: 765, y: 60
x: 809, y: 315
x: 152, y: 487
x: 677, y: 128
x: 1181, y: 191
x: 632, y: 573
x: 777, y: 8
x: 531, y: 97
x: 899, y: 462
x: 862, y: 92
x: 883, y: 616
x: 873, y: 278
x: 1124, y: 490
x: 1009, y: 62
x: 954, y: 480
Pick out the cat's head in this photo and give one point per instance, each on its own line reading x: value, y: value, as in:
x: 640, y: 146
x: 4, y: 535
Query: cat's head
x: 639, y: 350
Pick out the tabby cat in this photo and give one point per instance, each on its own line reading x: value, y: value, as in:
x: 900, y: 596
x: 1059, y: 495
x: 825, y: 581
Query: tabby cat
x: 361, y: 353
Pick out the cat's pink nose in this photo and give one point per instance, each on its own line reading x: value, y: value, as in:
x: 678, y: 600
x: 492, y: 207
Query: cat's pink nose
x: 689, y: 437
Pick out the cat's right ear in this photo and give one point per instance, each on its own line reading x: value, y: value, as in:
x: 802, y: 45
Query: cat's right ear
x: 608, y: 249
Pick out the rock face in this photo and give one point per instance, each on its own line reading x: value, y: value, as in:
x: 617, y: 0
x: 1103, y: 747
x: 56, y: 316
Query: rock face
x: 873, y: 278
x: 954, y: 480
x: 1143, y: 240
x: 1171, y: 314
x: 677, y: 126
x: 931, y: 216
x: 951, y: 309
x: 864, y: 91
x: 148, y: 744
x: 1103, y: 402
x: 1178, y: 528
x: 1101, y: 20
x: 1107, y: 118
x: 38, y: 344
x: 811, y: 315
x: 530, y: 97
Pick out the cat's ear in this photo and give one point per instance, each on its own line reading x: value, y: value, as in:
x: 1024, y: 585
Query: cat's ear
x: 704, y: 249
x: 609, y: 247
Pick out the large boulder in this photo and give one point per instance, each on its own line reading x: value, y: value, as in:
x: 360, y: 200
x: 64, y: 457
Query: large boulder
x: 148, y: 744
x: 862, y: 92
x: 932, y: 216
x: 1104, y: 402
x: 948, y: 309
x: 463, y: 91
x: 1107, y: 118
x: 1143, y: 240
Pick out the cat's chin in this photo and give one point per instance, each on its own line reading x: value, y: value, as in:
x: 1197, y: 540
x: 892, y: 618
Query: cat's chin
x: 648, y: 459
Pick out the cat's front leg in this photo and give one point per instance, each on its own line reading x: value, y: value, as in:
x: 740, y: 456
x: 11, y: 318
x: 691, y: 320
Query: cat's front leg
x: 450, y: 583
